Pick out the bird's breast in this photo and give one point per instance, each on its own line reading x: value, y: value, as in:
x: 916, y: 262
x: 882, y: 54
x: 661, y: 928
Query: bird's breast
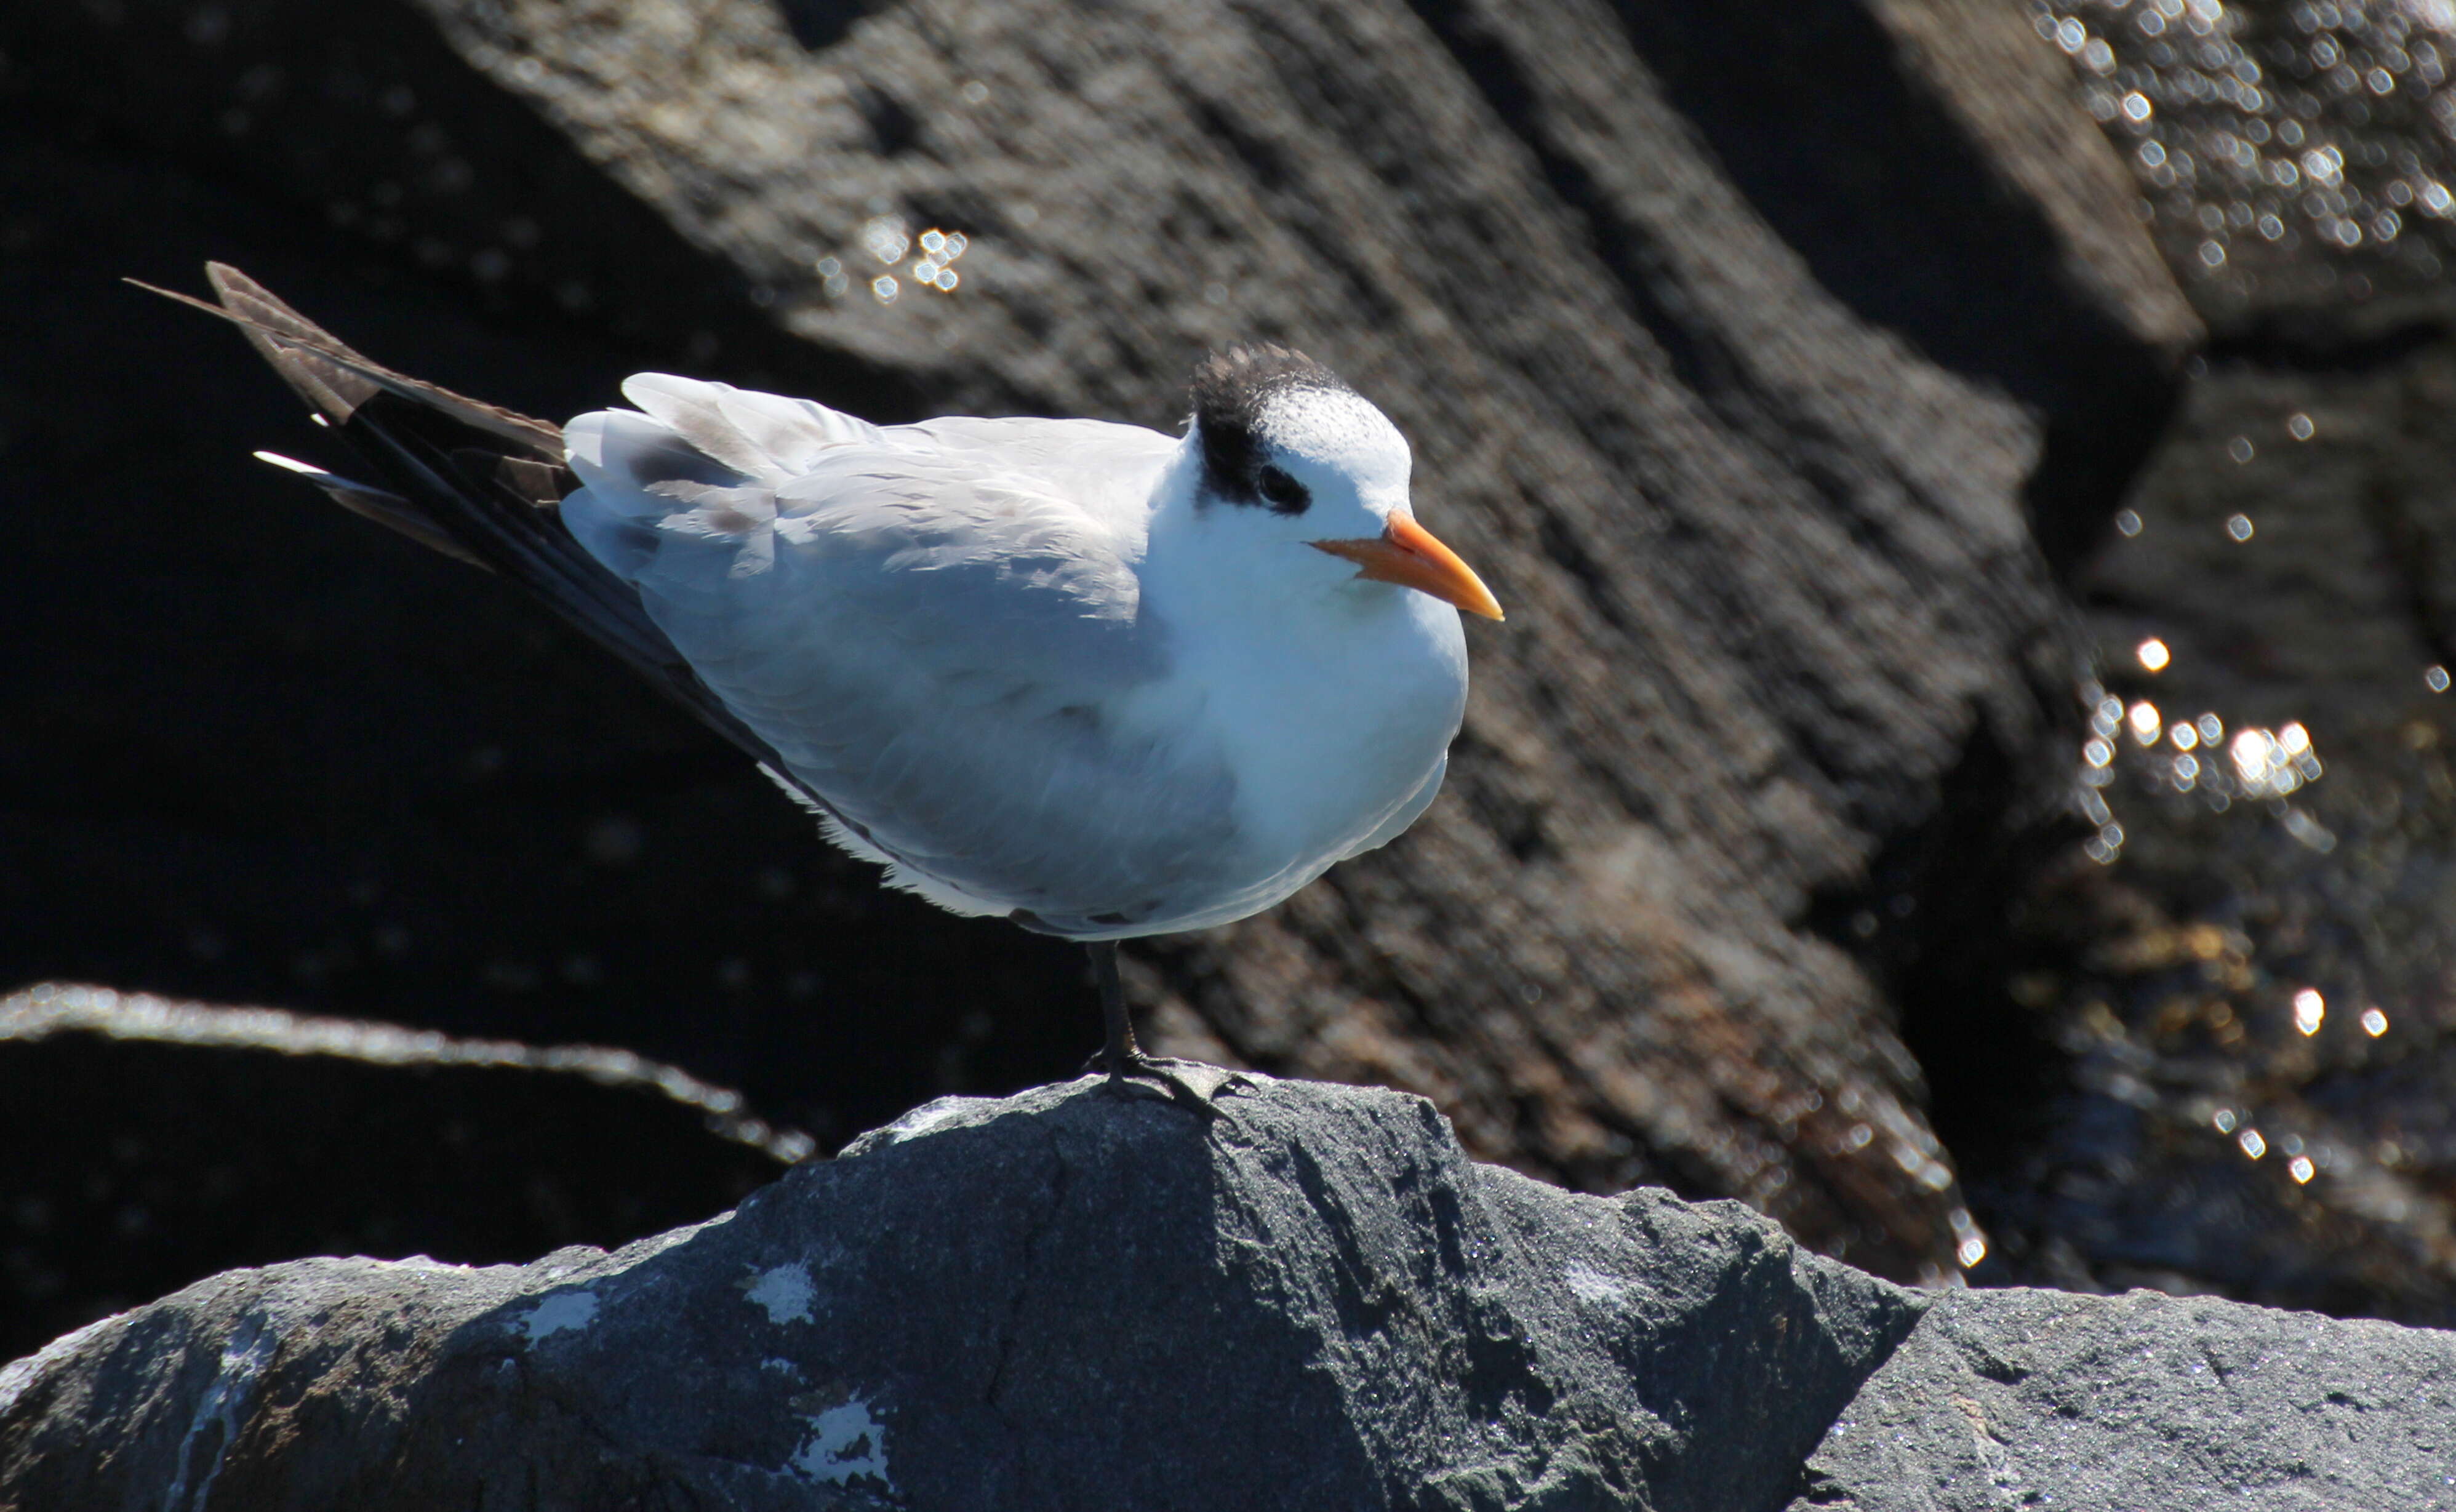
x: 1327, y: 730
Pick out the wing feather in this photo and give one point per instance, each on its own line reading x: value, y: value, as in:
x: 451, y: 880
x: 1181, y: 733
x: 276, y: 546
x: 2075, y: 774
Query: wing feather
x: 930, y: 635
x: 930, y: 630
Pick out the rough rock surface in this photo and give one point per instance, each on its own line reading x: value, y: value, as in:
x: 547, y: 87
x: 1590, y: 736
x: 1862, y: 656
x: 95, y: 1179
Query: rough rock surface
x: 1063, y: 1300
x: 1742, y: 348
x: 2023, y: 1399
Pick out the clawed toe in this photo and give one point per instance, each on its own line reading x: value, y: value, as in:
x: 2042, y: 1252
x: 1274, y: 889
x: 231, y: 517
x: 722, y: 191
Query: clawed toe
x: 1192, y: 1084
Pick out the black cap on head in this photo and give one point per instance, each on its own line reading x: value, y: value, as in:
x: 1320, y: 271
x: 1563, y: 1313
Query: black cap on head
x: 1230, y: 391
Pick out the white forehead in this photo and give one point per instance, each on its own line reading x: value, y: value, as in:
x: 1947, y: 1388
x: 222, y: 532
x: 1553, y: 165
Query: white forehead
x: 1337, y: 429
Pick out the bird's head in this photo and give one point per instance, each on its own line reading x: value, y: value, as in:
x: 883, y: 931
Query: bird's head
x: 1303, y: 458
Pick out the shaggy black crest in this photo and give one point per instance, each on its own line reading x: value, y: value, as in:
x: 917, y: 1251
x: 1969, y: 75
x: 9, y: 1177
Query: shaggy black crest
x: 1229, y: 389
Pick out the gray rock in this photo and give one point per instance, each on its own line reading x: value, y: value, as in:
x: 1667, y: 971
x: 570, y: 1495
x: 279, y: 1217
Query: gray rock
x: 1062, y: 1299
x: 2021, y: 1398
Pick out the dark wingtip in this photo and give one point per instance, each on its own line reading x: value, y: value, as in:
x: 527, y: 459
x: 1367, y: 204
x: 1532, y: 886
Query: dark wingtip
x: 310, y: 358
x: 335, y: 381
x: 381, y: 505
x: 173, y: 293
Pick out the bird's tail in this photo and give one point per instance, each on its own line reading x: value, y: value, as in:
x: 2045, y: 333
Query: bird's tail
x: 476, y: 482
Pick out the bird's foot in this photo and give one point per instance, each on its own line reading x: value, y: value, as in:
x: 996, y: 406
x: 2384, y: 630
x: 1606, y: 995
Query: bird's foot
x: 1193, y: 1084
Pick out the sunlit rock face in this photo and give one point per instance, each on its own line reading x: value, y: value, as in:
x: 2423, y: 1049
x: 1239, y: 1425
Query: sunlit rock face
x: 1765, y: 358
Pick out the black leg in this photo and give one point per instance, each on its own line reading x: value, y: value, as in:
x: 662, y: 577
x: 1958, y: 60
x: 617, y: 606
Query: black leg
x: 1121, y: 1055
x: 1134, y: 1074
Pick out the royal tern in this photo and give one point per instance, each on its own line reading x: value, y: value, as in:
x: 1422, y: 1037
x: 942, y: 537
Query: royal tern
x: 1104, y: 681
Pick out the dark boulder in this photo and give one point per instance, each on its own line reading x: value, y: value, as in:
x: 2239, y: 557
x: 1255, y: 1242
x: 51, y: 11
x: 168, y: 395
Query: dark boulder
x: 151, y: 1143
x: 1752, y: 355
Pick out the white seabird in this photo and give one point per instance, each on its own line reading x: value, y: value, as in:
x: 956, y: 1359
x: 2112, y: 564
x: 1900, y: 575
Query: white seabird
x: 1104, y: 681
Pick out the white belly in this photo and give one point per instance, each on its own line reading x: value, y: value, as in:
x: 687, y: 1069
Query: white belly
x: 1328, y: 735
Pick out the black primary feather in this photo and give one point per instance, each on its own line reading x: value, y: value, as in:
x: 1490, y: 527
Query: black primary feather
x: 1231, y: 390
x: 474, y: 482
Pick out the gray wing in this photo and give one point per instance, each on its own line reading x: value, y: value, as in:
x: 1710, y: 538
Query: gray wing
x: 936, y: 627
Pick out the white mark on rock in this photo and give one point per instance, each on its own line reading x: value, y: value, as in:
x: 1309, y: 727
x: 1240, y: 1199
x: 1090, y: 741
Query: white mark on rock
x: 844, y: 1442
x: 784, y: 1290
x: 941, y: 1112
x: 928, y: 1117
x: 557, y: 1313
x: 216, y: 1420
x: 1593, y: 1286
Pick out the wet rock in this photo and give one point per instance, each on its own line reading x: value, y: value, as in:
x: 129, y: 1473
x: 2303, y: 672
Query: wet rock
x: 2290, y: 156
x: 2252, y: 982
x: 1063, y: 1300
x: 1750, y: 413
x: 153, y: 1142
x: 2249, y: 971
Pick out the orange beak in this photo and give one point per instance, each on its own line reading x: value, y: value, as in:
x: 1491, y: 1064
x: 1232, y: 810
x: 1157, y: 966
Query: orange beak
x: 1406, y: 554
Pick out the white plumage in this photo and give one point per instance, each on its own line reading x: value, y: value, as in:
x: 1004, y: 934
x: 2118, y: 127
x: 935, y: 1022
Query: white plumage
x: 1098, y: 681
x: 1029, y: 663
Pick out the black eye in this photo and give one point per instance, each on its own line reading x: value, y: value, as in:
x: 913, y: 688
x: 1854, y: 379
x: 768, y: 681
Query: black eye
x: 1286, y: 495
